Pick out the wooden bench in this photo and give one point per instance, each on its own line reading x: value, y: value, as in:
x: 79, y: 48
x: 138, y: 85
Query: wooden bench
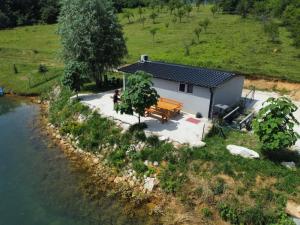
x: 162, y: 114
x: 170, y: 104
x: 165, y: 108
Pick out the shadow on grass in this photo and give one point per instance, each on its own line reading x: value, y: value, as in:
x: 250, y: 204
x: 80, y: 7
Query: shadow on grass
x: 283, y: 156
x: 44, y: 81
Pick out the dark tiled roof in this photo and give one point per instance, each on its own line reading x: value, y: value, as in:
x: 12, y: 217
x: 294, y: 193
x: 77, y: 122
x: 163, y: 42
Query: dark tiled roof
x: 188, y: 74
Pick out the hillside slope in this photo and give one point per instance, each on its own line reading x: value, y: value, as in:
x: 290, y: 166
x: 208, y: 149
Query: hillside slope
x: 230, y: 43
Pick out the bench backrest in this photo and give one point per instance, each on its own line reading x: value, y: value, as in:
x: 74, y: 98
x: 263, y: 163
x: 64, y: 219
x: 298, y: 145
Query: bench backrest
x: 171, y: 101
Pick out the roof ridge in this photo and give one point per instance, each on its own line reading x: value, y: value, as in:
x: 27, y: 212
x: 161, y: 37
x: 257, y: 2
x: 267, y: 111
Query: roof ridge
x: 189, y: 66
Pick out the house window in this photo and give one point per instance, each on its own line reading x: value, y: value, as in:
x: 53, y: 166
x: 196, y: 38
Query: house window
x: 190, y: 88
x: 182, y: 87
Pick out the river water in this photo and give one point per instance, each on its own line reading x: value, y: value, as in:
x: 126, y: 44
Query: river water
x: 38, y: 185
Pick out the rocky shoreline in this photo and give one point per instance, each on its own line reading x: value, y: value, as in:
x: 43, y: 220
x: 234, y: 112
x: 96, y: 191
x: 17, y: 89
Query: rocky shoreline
x: 140, y: 197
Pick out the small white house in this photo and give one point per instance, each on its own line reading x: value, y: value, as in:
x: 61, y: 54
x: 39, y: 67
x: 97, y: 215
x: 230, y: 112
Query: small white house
x: 199, y: 89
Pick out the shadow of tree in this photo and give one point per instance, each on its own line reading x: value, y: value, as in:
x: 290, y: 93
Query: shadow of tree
x: 283, y: 156
x: 44, y: 81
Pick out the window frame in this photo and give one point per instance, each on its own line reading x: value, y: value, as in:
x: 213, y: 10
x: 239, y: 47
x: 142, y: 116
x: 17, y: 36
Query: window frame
x: 180, y: 85
x: 188, y: 90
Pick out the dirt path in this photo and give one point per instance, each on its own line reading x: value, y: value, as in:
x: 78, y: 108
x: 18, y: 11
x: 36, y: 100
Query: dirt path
x: 282, y: 87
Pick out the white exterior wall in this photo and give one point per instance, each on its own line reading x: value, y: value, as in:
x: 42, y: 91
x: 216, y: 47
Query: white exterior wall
x: 192, y: 103
x: 230, y: 92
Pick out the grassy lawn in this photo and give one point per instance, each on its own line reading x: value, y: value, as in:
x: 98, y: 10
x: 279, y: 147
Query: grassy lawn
x: 27, y: 48
x: 230, y: 43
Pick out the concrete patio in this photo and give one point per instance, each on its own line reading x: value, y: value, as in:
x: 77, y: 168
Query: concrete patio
x: 178, y: 129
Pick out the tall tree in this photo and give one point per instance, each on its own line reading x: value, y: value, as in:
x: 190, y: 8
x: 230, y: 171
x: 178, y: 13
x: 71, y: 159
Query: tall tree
x: 90, y: 34
x: 138, y: 95
x: 74, y: 73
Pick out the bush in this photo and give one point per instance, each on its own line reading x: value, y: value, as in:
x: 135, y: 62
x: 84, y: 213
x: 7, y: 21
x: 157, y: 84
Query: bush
x: 219, y: 187
x: 206, y: 212
x: 171, y: 179
x: 153, y: 140
x: 42, y: 68
x: 140, y: 136
x: 159, y: 153
x: 117, y: 158
x: 139, y: 167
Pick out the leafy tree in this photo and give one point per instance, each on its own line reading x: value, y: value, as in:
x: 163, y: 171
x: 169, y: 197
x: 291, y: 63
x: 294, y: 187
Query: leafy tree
x: 153, y: 16
x: 197, y: 32
x: 128, y: 14
x: 272, y: 29
x: 143, y: 20
x: 4, y: 20
x: 49, y: 11
x: 153, y: 32
x: 275, y: 123
x: 140, y: 11
x: 180, y: 14
x: 74, y: 74
x: 188, y: 8
x: 204, y: 24
x: 138, y: 95
x: 90, y: 34
x: 186, y: 48
x: 243, y: 8
x: 198, y: 4
x: 214, y: 9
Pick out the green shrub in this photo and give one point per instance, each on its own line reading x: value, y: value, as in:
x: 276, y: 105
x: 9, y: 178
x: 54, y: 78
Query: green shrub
x: 71, y: 127
x: 171, y: 179
x: 139, y: 167
x: 140, y: 136
x: 117, y: 158
x: 219, y: 187
x: 159, y: 153
x: 206, y: 213
x: 228, y: 213
x: 153, y: 140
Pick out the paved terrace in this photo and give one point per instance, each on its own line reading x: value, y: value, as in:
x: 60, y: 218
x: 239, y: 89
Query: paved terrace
x: 178, y: 129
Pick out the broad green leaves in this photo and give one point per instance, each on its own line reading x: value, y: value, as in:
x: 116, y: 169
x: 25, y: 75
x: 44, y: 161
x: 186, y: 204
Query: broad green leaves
x: 138, y: 95
x: 275, y: 123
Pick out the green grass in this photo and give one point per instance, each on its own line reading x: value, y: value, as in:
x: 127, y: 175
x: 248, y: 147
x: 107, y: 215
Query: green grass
x: 27, y: 48
x: 230, y: 43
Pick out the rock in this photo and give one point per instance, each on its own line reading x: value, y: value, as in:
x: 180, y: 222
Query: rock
x: 58, y: 136
x: 118, y: 180
x: 155, y: 163
x: 131, y: 183
x: 81, y: 118
x: 242, y: 151
x: 290, y: 165
x: 95, y: 160
x: 149, y: 183
x: 293, y: 209
x: 162, y: 138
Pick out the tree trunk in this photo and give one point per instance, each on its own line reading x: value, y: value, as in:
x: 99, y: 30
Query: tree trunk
x: 139, y: 119
x: 98, y: 83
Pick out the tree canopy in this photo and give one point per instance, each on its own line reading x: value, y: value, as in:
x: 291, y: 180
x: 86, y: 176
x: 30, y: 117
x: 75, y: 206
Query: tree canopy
x: 90, y: 34
x: 138, y: 95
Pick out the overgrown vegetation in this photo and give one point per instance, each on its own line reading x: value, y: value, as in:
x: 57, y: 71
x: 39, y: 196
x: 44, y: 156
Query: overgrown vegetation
x: 243, y: 191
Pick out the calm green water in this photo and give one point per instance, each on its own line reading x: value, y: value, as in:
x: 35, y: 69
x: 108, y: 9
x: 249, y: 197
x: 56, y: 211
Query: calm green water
x: 38, y: 185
